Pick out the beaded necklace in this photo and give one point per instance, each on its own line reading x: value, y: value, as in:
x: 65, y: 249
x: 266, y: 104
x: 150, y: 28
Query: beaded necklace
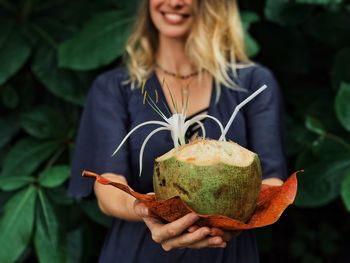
x: 177, y: 75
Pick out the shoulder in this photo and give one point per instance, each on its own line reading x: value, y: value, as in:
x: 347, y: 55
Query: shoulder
x: 116, y: 76
x: 253, y: 72
x: 111, y: 82
x: 251, y: 77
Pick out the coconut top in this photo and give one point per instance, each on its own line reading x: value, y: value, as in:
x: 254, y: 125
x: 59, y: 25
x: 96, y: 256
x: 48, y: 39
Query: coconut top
x: 210, y: 152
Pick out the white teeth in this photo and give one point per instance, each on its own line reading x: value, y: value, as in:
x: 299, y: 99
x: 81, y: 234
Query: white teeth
x: 173, y: 17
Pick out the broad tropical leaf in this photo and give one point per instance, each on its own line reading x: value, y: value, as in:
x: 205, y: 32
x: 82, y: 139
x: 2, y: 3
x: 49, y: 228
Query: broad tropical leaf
x: 46, y: 238
x: 44, y: 122
x: 322, y: 109
x: 286, y: 12
x: 16, y: 225
x: 314, y: 125
x: 65, y: 84
x: 59, y: 195
x: 342, y: 105
x: 9, y: 97
x: 54, y: 176
x: 9, y: 127
x: 319, y: 2
x: 320, y: 183
x: 74, y: 242
x: 14, y: 50
x: 100, y: 42
x: 26, y: 156
x: 10, y: 183
x: 329, y: 148
x: 128, y: 5
x: 345, y: 190
x: 325, y: 149
x: 249, y: 18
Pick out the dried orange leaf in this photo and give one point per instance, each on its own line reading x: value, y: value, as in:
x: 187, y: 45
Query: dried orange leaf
x: 272, y: 201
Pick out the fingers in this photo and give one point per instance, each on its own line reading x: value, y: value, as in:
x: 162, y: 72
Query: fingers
x: 192, y: 228
x: 212, y: 242
x: 174, y: 235
x: 199, y: 239
x: 186, y: 240
x: 226, y: 235
x: 272, y: 181
x: 140, y: 209
x: 161, y: 232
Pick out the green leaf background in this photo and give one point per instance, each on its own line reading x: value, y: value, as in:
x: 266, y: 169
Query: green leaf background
x: 105, y: 31
x: 14, y: 50
x: 50, y: 51
x: 16, y: 224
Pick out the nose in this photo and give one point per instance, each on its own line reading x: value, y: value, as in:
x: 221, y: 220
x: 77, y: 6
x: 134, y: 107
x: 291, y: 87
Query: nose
x: 176, y: 3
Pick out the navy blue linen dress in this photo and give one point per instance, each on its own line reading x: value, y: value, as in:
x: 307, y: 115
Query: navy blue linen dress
x: 113, y: 108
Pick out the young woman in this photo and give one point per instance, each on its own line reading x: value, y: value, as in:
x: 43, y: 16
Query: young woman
x: 196, y: 45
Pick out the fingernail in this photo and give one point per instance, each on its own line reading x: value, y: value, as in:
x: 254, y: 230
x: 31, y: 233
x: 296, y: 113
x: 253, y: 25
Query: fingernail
x: 223, y: 245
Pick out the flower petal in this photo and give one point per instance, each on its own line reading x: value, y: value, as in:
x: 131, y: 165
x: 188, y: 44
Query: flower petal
x: 202, y: 127
x: 144, y: 144
x: 138, y: 126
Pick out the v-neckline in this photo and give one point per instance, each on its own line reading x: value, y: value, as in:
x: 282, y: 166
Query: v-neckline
x: 162, y: 97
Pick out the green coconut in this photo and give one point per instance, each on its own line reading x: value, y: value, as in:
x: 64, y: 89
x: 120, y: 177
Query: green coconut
x: 212, y: 177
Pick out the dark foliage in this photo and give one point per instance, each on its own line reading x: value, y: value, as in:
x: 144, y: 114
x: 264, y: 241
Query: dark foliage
x: 45, y: 73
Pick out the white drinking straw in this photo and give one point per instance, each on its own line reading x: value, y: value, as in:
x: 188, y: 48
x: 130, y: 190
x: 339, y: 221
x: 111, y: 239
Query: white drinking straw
x: 238, y: 107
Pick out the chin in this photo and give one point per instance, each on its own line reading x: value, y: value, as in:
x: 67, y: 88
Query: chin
x: 174, y: 34
x: 174, y: 31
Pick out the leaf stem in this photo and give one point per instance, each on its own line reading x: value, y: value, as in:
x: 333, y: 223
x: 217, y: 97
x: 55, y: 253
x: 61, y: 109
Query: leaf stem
x: 46, y: 215
x: 55, y: 157
x: 337, y: 139
x: 44, y: 35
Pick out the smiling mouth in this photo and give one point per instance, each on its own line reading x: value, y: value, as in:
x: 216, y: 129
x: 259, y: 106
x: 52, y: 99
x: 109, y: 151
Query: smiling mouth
x: 175, y: 17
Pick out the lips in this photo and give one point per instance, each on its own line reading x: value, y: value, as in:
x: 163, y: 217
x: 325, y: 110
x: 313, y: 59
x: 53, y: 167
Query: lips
x: 175, y: 18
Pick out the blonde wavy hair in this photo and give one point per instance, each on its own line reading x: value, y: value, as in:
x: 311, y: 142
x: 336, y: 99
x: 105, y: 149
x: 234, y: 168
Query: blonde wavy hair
x: 215, y: 43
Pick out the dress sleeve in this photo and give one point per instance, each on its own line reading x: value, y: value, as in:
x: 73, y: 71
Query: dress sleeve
x: 265, y: 124
x: 103, y: 125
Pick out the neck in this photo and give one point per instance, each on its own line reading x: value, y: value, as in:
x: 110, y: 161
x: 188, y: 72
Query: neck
x: 171, y: 56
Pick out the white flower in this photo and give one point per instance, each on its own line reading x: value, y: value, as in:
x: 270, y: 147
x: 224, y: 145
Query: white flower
x: 177, y: 124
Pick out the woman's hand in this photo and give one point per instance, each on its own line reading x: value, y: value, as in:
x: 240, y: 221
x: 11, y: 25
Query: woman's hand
x: 226, y: 235
x: 272, y: 181
x: 181, y: 233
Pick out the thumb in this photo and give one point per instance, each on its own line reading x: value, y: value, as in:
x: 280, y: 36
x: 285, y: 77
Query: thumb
x: 140, y: 209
